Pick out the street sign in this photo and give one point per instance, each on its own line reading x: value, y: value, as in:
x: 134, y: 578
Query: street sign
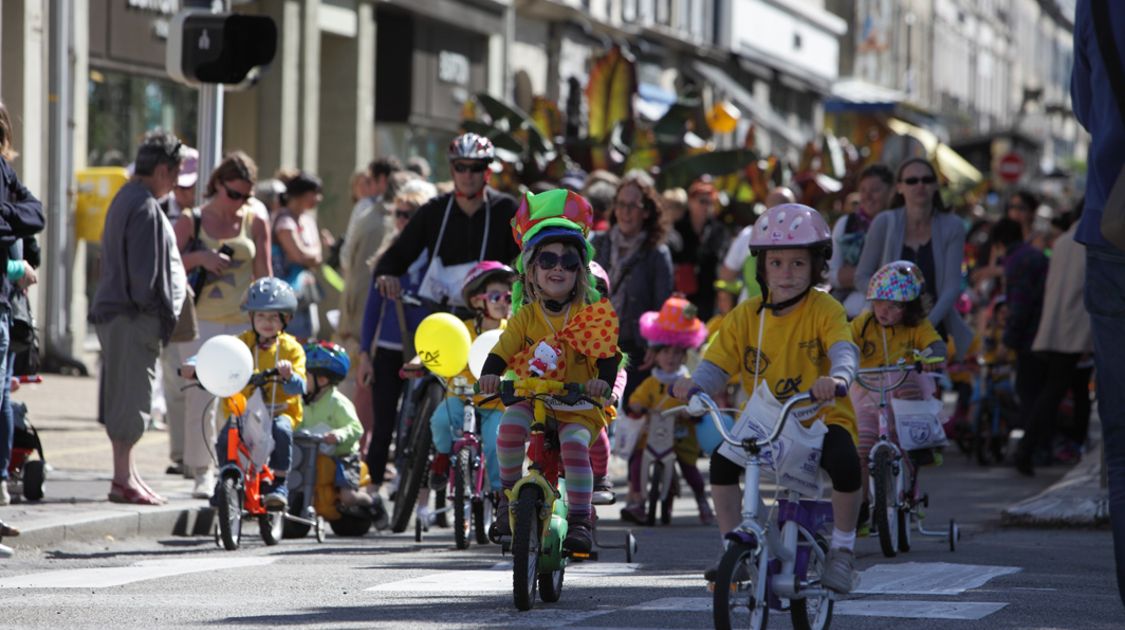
x: 1010, y: 168
x: 226, y: 48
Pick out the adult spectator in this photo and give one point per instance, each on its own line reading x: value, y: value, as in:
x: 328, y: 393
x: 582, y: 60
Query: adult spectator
x: 639, y: 265
x: 225, y: 246
x: 420, y: 166
x: 738, y: 264
x: 702, y: 241
x: 1021, y: 208
x: 1062, y: 340
x: 1025, y: 272
x: 458, y: 229
x: 172, y: 356
x: 1098, y: 97
x: 139, y: 297
x: 23, y: 214
x: 378, y: 176
x: 600, y: 188
x: 875, y: 185
x: 921, y: 230
x: 297, y: 251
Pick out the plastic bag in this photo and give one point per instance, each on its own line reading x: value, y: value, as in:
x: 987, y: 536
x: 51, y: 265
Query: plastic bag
x: 918, y: 423
x: 257, y: 430
x: 626, y: 432
x: 795, y: 456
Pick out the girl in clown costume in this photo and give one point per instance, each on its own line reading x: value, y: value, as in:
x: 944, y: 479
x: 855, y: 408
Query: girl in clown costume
x: 893, y: 328
x: 564, y: 329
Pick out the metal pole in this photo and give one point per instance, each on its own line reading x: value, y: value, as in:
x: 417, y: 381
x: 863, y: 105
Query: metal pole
x: 57, y: 281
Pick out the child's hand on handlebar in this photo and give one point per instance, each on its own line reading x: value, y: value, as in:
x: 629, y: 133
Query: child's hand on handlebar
x: 187, y: 371
x: 681, y: 389
x: 488, y: 384
x: 596, y: 388
x: 825, y: 387
x: 284, y: 369
x: 330, y: 438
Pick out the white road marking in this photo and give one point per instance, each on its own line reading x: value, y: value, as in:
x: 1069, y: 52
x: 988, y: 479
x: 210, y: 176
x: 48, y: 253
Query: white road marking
x: 117, y: 576
x: 679, y: 604
x: 927, y: 578
x: 913, y: 609
x: 497, y: 579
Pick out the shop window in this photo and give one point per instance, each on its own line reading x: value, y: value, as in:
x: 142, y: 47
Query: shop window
x: 123, y: 107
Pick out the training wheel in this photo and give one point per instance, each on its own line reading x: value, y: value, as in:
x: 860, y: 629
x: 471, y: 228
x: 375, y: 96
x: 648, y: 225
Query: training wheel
x: 954, y: 535
x: 630, y: 546
x: 320, y: 527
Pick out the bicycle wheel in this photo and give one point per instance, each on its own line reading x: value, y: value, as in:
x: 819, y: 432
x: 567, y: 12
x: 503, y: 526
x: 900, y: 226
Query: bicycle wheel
x: 462, y: 511
x: 525, y: 548
x: 813, y: 613
x: 230, y: 513
x: 669, y: 501
x: 271, y: 525
x: 656, y: 473
x: 885, y: 510
x: 482, y: 518
x: 550, y: 585
x: 739, y: 602
x: 415, y: 458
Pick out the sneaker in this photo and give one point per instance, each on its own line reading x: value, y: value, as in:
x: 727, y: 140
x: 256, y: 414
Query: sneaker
x: 277, y: 496
x: 839, y: 571
x: 634, y: 513
x: 379, y: 516
x: 502, y: 526
x: 439, y: 472
x: 204, y: 485
x: 175, y: 468
x: 424, y: 515
x: 579, y: 536
x: 5, y: 496
x: 603, y: 491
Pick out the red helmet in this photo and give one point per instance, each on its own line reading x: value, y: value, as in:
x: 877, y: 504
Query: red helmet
x: 484, y: 272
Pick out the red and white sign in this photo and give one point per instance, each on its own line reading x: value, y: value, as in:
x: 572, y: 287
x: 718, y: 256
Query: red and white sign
x: 1010, y: 168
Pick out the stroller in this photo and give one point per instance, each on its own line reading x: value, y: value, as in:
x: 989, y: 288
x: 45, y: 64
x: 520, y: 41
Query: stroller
x: 26, y: 475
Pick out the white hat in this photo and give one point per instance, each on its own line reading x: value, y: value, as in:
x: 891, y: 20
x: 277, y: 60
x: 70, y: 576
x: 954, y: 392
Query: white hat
x: 189, y: 168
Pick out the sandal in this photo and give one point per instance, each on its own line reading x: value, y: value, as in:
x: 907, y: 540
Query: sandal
x: 121, y: 494
x: 8, y: 530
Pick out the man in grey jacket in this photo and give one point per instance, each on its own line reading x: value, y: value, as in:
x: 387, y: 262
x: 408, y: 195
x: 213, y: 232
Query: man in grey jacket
x: 140, y: 294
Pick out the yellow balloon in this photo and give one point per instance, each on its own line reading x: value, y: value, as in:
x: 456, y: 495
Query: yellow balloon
x: 442, y: 342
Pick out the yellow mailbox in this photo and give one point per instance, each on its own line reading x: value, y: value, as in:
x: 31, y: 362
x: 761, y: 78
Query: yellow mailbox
x: 96, y: 189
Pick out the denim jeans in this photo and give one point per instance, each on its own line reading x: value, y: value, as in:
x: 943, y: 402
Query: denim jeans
x: 7, y: 420
x: 282, y: 453
x: 1105, y: 300
x: 446, y: 425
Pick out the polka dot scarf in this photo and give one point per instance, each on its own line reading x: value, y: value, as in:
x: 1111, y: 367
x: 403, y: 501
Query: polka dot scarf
x: 592, y: 332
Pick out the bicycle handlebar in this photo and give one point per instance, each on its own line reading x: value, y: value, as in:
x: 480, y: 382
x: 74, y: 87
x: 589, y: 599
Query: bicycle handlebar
x: 515, y: 392
x: 261, y: 378
x: 900, y: 367
x: 698, y: 398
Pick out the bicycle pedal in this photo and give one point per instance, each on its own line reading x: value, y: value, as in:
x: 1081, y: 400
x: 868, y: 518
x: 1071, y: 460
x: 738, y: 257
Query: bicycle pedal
x: 581, y: 555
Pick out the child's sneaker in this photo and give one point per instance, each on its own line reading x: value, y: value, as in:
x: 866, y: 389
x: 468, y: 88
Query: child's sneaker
x: 439, y: 471
x: 603, y: 491
x: 839, y: 571
x: 276, y: 495
x: 579, y: 536
x: 502, y: 526
x: 634, y: 513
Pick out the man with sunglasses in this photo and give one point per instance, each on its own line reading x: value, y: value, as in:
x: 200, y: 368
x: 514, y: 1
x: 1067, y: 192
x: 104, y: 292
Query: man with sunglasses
x: 459, y: 229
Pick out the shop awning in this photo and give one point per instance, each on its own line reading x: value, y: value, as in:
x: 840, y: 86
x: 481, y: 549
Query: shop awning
x: 954, y: 167
x: 762, y: 114
x: 653, y: 101
x: 856, y: 95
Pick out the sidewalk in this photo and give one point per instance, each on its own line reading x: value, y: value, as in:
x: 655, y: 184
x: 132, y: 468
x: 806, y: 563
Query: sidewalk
x: 1076, y: 500
x: 75, y: 506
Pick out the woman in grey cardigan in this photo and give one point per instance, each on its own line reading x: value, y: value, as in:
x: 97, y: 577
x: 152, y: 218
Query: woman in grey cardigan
x: 919, y: 229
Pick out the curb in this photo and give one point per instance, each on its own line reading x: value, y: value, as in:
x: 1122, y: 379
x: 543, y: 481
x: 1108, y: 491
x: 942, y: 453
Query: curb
x: 1076, y: 500
x: 98, y: 526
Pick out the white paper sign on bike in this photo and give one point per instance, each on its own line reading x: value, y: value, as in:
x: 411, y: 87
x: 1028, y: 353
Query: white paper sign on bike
x: 918, y: 423
x: 257, y: 429
x: 795, y: 457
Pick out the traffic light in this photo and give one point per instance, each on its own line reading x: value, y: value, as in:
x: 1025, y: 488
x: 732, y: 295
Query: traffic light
x: 219, y: 47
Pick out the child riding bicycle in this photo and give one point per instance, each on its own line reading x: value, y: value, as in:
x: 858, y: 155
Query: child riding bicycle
x: 564, y: 331
x: 794, y: 338
x: 329, y: 414
x: 488, y: 292
x: 270, y: 304
x: 893, y: 329
x: 671, y: 332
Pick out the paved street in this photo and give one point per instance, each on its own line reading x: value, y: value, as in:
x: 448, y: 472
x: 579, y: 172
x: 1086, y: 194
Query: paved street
x: 998, y: 577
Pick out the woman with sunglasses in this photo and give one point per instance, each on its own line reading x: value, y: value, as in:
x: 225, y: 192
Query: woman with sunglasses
x: 223, y: 254
x: 639, y: 264
x: 921, y: 230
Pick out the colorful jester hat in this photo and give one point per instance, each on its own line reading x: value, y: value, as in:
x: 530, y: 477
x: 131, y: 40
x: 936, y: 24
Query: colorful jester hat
x: 554, y: 215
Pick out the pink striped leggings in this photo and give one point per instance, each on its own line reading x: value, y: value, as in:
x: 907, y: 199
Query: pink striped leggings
x: 511, y: 449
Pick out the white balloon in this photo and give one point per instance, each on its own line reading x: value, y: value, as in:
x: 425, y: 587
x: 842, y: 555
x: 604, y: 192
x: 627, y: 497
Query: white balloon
x: 478, y: 352
x: 224, y: 365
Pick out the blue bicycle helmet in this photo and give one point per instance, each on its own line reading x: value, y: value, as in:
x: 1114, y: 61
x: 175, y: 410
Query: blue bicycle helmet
x: 267, y: 295
x: 325, y: 358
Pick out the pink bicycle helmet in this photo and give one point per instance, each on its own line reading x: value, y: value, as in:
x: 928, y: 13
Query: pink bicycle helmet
x: 897, y: 281
x: 790, y: 226
x: 599, y: 273
x: 484, y: 272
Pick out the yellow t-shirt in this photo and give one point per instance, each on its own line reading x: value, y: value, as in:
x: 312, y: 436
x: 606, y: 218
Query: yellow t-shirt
x: 653, y: 395
x: 285, y: 348
x: 471, y: 324
x: 902, y: 341
x: 794, y: 350
x: 530, y: 325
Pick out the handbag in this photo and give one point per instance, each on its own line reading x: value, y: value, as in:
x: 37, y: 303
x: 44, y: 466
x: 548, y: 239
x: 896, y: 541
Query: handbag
x: 187, y: 326
x: 1113, y: 214
x: 197, y: 277
x: 23, y: 336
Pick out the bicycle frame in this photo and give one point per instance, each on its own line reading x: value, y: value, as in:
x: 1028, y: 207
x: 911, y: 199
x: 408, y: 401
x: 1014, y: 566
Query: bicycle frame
x: 470, y: 437
x: 239, y: 463
x: 544, y: 457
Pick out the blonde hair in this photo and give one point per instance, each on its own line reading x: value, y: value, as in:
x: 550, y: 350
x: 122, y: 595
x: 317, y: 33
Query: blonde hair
x: 531, y: 292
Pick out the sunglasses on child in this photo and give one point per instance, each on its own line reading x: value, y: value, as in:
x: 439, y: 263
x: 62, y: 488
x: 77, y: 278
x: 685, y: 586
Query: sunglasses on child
x: 496, y: 297
x: 474, y: 167
x: 549, y: 260
x: 911, y: 181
